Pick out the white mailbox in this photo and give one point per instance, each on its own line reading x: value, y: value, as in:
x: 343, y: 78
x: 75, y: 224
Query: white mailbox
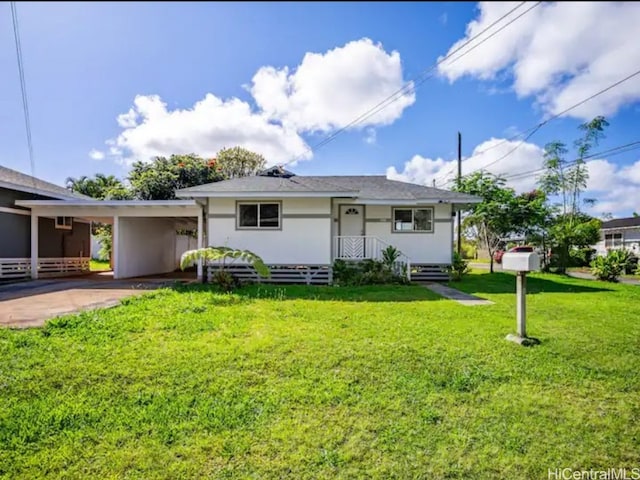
x: 521, y: 261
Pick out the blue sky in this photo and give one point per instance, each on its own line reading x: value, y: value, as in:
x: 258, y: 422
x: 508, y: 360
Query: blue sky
x: 86, y: 64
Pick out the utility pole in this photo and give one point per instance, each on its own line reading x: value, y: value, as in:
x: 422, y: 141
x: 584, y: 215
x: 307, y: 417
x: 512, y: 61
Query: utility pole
x: 459, y: 183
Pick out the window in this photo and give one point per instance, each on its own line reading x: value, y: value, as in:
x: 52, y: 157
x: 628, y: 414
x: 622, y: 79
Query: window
x: 259, y: 215
x: 612, y: 240
x: 64, y: 223
x: 413, y: 220
x: 352, y: 211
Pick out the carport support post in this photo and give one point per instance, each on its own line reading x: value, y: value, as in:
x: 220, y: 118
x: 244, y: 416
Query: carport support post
x: 200, y: 237
x: 34, y: 245
x: 115, y: 246
x: 521, y: 303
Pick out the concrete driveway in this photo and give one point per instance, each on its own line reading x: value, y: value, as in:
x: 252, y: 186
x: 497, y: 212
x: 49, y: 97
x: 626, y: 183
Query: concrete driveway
x: 31, y: 304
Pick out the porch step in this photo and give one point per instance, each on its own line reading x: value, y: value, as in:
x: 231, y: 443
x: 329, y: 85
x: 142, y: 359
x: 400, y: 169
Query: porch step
x: 423, y: 272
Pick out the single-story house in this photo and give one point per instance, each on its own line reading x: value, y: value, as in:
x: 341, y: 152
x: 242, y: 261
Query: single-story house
x: 298, y: 224
x: 620, y: 233
x: 63, y: 243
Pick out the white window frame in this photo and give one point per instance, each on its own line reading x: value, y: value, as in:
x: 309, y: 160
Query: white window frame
x: 413, y: 213
x: 258, y: 227
x: 611, y: 241
x: 67, y: 223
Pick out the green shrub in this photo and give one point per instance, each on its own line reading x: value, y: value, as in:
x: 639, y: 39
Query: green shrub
x: 611, y: 266
x: 581, y: 257
x: 225, y: 280
x: 365, y: 272
x: 389, y: 256
x: 468, y: 250
x: 458, y: 268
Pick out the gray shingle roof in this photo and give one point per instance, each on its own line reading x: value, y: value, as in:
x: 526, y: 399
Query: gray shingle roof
x: 268, y: 184
x: 23, y: 182
x: 622, y: 223
x: 366, y: 187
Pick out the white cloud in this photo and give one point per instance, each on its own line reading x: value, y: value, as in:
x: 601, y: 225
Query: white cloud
x: 328, y: 91
x: 371, y: 136
x: 616, y: 188
x: 325, y: 92
x: 525, y: 157
x: 205, y: 128
x: 560, y: 53
x: 129, y: 119
x: 96, y: 154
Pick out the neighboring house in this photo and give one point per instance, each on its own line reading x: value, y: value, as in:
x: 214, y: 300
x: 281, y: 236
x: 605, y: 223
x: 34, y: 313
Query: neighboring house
x: 299, y: 225
x: 63, y: 243
x: 620, y: 233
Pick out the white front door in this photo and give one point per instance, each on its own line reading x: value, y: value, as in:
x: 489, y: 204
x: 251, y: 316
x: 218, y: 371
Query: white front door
x: 352, y: 231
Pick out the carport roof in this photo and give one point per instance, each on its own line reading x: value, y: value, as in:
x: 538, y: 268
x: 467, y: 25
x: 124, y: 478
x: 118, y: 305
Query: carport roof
x: 106, y: 203
x: 113, y: 208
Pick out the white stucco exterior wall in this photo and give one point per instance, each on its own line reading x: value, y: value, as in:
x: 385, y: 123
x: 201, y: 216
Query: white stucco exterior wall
x: 434, y: 248
x: 146, y: 246
x: 304, y: 237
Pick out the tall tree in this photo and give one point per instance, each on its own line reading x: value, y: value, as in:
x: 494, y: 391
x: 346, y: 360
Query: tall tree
x: 239, y: 162
x: 502, y: 212
x: 160, y: 178
x: 567, y: 180
x: 102, y: 187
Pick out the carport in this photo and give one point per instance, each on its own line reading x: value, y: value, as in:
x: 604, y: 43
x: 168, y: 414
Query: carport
x: 144, y: 231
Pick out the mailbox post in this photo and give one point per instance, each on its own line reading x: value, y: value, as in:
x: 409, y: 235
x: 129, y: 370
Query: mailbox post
x: 521, y: 263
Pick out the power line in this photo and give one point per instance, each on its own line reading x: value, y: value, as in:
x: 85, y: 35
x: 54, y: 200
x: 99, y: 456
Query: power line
x: 413, y: 84
x: 520, y: 143
x: 537, y: 127
x: 629, y: 147
x: 23, y: 87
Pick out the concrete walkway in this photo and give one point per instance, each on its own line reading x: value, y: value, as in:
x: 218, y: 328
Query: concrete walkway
x: 457, y: 295
x: 31, y: 304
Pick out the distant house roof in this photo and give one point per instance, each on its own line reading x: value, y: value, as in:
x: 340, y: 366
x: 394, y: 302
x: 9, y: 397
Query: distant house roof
x: 369, y: 188
x: 21, y: 182
x: 630, y: 222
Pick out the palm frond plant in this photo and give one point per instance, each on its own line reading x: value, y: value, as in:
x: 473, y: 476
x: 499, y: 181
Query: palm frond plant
x: 224, y: 255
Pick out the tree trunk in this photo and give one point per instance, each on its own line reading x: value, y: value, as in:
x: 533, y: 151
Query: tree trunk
x: 491, y: 263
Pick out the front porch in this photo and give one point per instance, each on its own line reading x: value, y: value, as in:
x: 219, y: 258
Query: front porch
x: 368, y: 247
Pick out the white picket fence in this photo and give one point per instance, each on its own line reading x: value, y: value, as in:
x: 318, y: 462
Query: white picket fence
x: 17, y: 268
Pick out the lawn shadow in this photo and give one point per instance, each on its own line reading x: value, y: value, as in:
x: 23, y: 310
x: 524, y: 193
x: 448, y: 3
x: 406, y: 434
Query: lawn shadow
x: 499, y: 282
x: 371, y: 293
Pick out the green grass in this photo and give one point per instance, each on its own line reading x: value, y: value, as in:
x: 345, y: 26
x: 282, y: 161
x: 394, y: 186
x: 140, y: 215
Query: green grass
x: 99, y: 265
x: 305, y: 383
x: 479, y: 260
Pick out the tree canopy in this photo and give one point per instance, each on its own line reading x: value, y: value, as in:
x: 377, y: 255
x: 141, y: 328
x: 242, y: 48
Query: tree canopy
x: 501, y: 212
x: 567, y: 180
x: 102, y: 187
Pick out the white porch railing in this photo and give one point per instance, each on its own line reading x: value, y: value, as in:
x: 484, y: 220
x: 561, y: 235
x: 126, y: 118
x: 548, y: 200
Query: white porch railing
x: 53, y: 267
x: 17, y: 268
x: 367, y: 247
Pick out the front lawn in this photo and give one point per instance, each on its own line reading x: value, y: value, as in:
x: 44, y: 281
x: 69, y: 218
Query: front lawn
x: 99, y: 265
x: 301, y: 382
